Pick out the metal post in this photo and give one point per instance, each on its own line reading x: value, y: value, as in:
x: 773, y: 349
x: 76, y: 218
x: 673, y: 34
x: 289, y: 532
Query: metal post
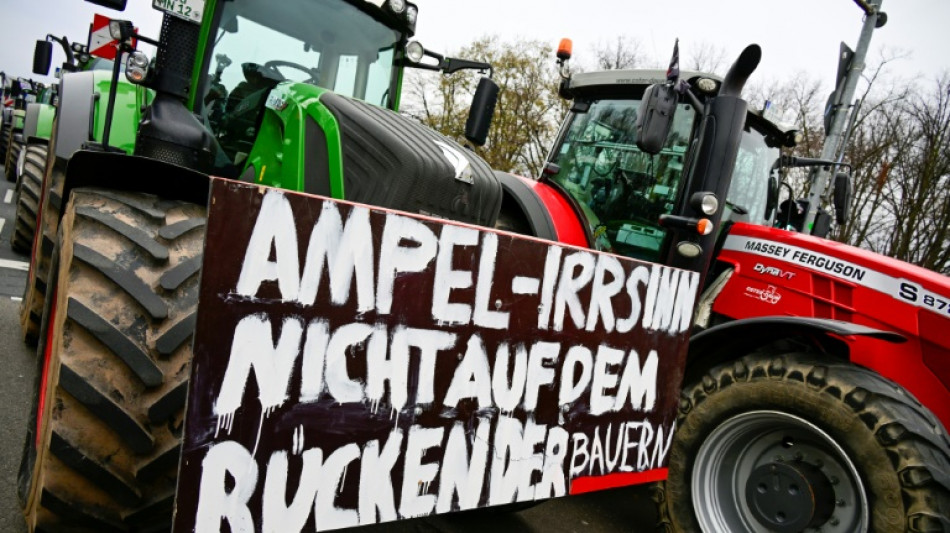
x: 872, y: 9
x: 110, y: 109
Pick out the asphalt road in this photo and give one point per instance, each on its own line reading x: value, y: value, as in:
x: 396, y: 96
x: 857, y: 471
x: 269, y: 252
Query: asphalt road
x: 628, y: 509
x: 17, y: 362
x: 12, y: 265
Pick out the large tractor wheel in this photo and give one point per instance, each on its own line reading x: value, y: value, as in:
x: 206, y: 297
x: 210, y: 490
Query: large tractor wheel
x: 104, y: 454
x: 5, y: 133
x: 28, y: 197
x: 790, y: 443
x: 34, y: 291
x: 13, y: 155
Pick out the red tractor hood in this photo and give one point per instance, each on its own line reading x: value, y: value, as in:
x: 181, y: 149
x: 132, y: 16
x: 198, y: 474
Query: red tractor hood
x: 831, y: 258
x: 774, y: 272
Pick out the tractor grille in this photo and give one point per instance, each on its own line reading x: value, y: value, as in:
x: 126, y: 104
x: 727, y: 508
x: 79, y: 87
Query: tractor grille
x: 169, y: 153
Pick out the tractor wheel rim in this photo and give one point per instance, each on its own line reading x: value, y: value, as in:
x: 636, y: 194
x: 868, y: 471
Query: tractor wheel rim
x: 752, y: 458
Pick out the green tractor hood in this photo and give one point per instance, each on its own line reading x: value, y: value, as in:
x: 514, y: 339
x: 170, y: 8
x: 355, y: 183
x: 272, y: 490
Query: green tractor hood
x: 358, y: 152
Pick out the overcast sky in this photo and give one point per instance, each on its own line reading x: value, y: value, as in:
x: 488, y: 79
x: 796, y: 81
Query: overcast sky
x: 796, y: 35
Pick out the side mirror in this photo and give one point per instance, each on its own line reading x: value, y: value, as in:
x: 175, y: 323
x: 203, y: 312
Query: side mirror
x: 118, y: 5
x: 42, y: 57
x: 771, y: 200
x: 842, y: 197
x: 231, y: 26
x: 481, y: 112
x: 822, y: 225
x: 655, y: 117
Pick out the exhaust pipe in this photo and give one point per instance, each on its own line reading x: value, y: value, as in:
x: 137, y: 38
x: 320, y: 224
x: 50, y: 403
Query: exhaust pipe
x: 711, y: 165
x: 740, y: 71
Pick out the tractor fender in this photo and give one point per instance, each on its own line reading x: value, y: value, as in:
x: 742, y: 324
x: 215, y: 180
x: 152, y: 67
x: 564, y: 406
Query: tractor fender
x: 739, y: 337
x: 77, y: 100
x: 121, y: 172
x: 517, y: 193
x: 31, y: 120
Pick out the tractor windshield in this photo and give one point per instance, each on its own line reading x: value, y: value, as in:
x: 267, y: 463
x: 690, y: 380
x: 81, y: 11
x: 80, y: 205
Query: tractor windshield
x: 748, y: 192
x: 622, y: 190
x: 329, y: 43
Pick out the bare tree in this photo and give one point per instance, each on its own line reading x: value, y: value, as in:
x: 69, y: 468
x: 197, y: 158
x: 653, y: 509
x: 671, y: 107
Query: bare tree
x: 623, y: 53
x: 875, y: 126
x: 705, y: 57
x: 918, y: 191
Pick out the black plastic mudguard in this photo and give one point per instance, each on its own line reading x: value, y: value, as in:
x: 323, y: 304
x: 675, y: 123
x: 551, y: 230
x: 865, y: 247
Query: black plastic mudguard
x: 741, y: 336
x: 122, y: 172
x: 534, y: 210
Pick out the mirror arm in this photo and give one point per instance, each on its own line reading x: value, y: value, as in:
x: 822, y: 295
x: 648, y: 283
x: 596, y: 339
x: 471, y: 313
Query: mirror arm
x: 448, y: 65
x: 683, y: 88
x: 147, y: 40
x: 788, y: 161
x: 422, y: 66
x: 452, y: 65
x: 64, y: 42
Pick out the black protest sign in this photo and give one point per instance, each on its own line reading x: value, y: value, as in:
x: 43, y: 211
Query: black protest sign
x: 355, y: 365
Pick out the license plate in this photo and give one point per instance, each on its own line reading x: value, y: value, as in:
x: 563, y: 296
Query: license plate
x: 190, y: 10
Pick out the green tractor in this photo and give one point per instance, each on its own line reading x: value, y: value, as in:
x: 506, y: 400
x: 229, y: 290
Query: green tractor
x: 6, y: 113
x: 80, y: 118
x: 300, y: 94
x: 37, y: 130
x: 24, y: 92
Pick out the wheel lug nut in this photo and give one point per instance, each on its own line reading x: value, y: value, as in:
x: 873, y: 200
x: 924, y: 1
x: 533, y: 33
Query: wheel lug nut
x: 839, y: 502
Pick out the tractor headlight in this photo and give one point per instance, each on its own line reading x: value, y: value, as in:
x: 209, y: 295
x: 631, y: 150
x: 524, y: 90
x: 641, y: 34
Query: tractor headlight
x: 121, y: 30
x: 138, y: 59
x: 397, y: 6
x: 415, y: 51
x: 115, y: 30
x: 706, y: 85
x: 412, y: 13
x: 705, y: 202
x: 136, y: 67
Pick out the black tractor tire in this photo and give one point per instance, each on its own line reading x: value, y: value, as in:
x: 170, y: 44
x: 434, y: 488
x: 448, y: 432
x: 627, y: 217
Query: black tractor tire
x: 765, y: 440
x: 104, y: 452
x: 28, y: 198
x: 5, y: 134
x: 13, y: 155
x: 34, y: 291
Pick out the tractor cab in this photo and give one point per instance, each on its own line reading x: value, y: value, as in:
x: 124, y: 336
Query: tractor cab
x: 338, y: 45
x: 265, y: 72
x: 622, y: 191
x: 354, y: 49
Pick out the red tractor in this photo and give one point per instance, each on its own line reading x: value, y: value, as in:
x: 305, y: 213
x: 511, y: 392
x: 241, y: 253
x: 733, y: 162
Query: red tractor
x: 817, y: 389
